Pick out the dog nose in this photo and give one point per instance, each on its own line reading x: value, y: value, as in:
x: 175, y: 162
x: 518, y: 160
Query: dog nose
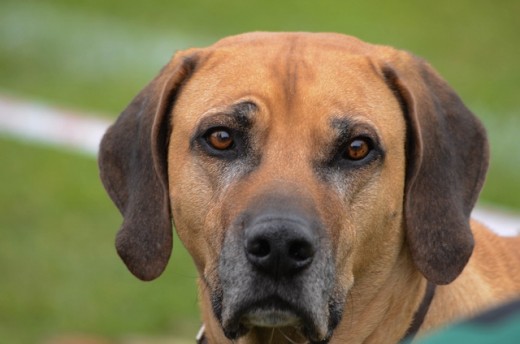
x: 280, y: 247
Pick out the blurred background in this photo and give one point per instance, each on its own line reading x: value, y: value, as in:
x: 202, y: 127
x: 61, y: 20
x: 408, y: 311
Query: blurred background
x: 60, y: 278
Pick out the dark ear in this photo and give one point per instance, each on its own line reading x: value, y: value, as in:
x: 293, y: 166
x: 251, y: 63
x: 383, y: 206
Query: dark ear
x: 133, y: 169
x: 447, y: 159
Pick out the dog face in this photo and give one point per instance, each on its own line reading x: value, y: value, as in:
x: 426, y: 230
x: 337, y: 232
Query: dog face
x: 299, y: 165
x: 296, y: 167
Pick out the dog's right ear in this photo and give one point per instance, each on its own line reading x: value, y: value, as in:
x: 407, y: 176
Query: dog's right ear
x: 446, y: 162
x: 133, y: 169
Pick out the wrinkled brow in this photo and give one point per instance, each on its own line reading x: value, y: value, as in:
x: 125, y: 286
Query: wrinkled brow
x: 240, y: 113
x: 341, y: 125
x: 244, y: 108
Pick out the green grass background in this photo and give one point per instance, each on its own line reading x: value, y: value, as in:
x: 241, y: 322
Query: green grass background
x: 59, y: 271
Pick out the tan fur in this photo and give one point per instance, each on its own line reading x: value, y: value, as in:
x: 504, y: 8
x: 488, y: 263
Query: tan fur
x: 491, y: 277
x: 297, y: 94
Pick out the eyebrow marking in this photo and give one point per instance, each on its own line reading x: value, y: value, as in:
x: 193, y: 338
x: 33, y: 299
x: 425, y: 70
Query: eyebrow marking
x: 342, y: 125
x: 242, y: 111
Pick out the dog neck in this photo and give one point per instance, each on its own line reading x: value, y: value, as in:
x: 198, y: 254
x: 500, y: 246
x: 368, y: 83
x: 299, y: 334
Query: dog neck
x: 382, y: 306
x: 408, y: 311
x: 412, y: 331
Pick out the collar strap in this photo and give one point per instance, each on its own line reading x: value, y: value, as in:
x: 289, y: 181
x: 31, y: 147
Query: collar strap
x: 201, y: 336
x: 418, y: 317
x: 420, y: 314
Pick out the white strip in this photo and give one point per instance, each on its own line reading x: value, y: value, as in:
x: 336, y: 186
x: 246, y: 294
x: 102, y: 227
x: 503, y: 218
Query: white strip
x: 500, y: 221
x: 42, y: 124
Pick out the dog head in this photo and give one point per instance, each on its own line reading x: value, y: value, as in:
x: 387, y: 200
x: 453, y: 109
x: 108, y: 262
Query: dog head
x: 293, y: 166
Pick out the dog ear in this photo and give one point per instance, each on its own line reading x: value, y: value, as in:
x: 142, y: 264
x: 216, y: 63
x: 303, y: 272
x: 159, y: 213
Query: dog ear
x: 133, y: 169
x: 446, y: 162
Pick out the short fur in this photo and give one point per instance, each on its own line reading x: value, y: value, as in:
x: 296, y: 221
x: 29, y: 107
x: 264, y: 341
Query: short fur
x: 383, y: 227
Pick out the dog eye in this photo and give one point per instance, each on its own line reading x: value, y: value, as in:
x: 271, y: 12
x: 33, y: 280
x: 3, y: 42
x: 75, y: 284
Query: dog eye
x: 220, y: 139
x: 357, y: 149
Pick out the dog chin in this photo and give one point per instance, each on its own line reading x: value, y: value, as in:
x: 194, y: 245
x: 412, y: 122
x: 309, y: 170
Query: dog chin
x: 277, y: 316
x: 270, y: 318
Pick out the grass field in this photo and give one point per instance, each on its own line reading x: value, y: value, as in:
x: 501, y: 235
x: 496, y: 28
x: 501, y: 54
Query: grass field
x: 60, y: 273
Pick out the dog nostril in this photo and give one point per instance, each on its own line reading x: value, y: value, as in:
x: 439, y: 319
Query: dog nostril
x: 301, y: 251
x: 279, y: 247
x: 259, y: 248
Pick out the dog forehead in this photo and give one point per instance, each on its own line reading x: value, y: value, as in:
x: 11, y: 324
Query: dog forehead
x: 313, y: 75
x: 265, y: 39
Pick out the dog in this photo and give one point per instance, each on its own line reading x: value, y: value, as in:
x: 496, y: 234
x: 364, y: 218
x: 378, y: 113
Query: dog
x: 322, y: 185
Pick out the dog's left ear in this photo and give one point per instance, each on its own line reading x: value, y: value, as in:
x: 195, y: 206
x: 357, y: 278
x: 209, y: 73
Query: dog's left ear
x: 446, y: 162
x: 133, y: 169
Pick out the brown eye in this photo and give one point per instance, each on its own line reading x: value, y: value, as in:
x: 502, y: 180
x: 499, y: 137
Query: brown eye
x: 220, y: 140
x: 357, y: 149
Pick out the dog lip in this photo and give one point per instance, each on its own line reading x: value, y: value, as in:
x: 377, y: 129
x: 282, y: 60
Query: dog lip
x: 274, y: 305
x: 270, y: 317
x: 271, y: 312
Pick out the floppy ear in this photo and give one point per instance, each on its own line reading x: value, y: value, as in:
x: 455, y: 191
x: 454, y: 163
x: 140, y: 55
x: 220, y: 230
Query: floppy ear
x: 447, y: 158
x: 133, y: 169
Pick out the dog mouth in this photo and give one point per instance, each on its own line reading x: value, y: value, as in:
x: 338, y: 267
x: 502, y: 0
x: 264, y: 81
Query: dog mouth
x: 274, y: 312
x: 268, y: 312
x: 270, y: 317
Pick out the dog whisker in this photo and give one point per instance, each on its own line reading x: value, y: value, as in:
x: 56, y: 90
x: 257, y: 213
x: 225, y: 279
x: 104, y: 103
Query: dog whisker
x: 350, y: 304
x: 272, y: 335
x: 291, y: 340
